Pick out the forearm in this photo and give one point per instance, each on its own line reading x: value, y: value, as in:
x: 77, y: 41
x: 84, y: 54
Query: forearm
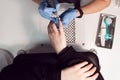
x: 95, y: 6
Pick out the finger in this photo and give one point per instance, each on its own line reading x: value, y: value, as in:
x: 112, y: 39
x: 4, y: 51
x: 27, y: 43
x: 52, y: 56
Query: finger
x: 60, y: 25
x: 90, y: 72
x: 54, y: 28
x: 94, y: 77
x: 86, y: 68
x: 51, y: 27
x: 78, y: 66
x: 49, y: 30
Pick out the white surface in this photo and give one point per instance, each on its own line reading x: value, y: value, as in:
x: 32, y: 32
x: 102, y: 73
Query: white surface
x: 21, y: 27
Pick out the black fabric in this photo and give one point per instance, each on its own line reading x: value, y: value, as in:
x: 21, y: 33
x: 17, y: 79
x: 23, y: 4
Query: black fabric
x: 32, y: 67
x: 70, y: 57
x: 46, y: 66
x: 92, y: 57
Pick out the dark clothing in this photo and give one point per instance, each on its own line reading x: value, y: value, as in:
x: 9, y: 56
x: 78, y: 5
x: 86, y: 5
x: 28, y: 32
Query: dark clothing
x: 46, y: 66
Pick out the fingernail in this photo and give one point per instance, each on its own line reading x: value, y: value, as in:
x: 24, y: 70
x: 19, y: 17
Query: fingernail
x: 91, y: 64
x: 95, y: 68
x: 59, y: 19
x: 97, y: 74
x: 86, y: 62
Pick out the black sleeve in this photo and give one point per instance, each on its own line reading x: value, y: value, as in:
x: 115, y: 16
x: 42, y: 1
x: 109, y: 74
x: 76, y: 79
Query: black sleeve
x: 66, y: 56
x: 69, y: 57
x: 32, y: 67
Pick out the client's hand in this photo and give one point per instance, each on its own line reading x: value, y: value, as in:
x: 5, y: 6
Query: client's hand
x: 57, y: 36
x: 81, y: 71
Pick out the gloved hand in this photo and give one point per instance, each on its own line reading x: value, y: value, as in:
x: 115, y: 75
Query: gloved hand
x: 47, y: 12
x: 68, y: 16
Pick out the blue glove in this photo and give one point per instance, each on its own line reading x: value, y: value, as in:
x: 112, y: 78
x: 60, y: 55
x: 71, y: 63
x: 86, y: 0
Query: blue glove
x: 68, y: 16
x: 47, y: 12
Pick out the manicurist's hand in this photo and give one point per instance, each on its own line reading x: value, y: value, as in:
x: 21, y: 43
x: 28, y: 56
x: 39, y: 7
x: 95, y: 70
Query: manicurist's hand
x: 67, y: 16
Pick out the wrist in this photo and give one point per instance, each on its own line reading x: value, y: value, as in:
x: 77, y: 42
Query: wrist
x: 58, y: 50
x: 79, y: 12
